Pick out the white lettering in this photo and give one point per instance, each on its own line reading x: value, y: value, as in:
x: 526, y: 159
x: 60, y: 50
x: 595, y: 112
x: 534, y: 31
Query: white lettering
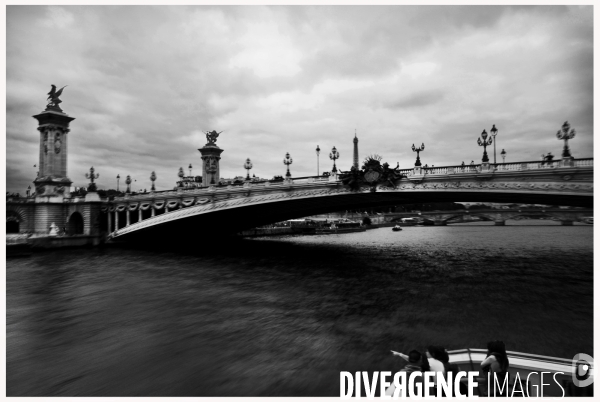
x: 556, y: 381
x: 358, y: 386
x: 429, y: 382
x: 345, y: 376
x: 542, y: 382
x: 533, y: 386
x: 384, y: 383
x: 517, y: 381
x: 459, y: 375
x: 497, y: 385
x: 400, y: 385
x: 370, y: 387
x: 445, y: 384
x: 472, y: 384
x: 412, y: 386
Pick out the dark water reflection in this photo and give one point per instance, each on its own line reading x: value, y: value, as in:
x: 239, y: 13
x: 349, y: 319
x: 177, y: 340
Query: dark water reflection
x: 283, y: 317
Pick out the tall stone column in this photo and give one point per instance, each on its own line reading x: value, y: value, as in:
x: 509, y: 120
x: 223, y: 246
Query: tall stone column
x: 52, y: 182
x: 52, y: 185
x: 211, y: 155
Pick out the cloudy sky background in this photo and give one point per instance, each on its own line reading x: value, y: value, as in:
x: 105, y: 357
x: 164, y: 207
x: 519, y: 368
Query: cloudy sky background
x: 145, y: 82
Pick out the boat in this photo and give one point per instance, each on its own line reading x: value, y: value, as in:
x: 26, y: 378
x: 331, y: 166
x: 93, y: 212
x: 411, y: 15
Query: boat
x: 396, y: 228
x: 408, y: 222
x: 525, y: 369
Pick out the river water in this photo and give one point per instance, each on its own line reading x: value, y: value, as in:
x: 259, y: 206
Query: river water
x: 266, y: 316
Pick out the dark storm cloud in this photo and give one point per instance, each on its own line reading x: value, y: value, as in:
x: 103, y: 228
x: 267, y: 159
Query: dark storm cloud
x: 145, y: 82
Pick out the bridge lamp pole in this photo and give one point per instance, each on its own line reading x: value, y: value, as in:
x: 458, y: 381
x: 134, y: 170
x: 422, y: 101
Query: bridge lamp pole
x: 128, y: 182
x: 248, y: 166
x: 333, y: 155
x: 484, y: 144
x: 318, y: 151
x: 118, y: 178
x: 494, y: 132
x: 288, y: 161
x: 91, y: 175
x: 503, y: 154
x: 153, y: 179
x: 417, y: 150
x: 190, y: 167
x: 564, y: 134
x: 180, y: 174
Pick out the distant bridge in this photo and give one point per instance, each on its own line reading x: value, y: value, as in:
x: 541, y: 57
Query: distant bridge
x: 498, y: 216
x: 232, y: 208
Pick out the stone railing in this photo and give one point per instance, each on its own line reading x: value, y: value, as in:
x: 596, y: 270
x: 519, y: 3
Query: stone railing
x: 322, y: 180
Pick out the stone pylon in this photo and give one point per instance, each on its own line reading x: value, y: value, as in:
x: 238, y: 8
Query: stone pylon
x: 211, y: 155
x: 52, y: 182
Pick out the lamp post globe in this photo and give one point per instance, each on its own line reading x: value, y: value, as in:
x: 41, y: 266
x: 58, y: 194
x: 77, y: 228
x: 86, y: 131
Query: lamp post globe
x: 494, y: 132
x: 153, y: 179
x: 333, y: 155
x: 418, y: 150
x: 288, y: 161
x: 128, y: 182
x: 484, y: 144
x: 566, y: 135
x: 248, y: 166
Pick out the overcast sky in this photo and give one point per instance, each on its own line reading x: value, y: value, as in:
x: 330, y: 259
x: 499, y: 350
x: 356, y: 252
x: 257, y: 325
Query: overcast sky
x: 145, y: 82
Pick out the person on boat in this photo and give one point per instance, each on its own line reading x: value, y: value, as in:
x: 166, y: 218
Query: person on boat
x: 496, y: 361
x: 416, y: 363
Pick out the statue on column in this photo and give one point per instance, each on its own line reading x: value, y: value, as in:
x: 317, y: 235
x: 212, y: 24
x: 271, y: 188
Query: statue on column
x: 53, y: 100
x: 211, y: 137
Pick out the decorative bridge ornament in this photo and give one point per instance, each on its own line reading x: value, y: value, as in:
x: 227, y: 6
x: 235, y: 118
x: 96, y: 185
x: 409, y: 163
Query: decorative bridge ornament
x: 372, y: 173
x: 374, y: 183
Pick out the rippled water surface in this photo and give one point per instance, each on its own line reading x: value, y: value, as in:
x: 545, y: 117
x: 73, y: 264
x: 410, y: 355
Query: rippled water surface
x: 284, y: 316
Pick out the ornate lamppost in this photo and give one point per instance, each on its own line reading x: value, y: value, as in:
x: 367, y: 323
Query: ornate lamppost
x: 91, y: 175
x: 333, y: 155
x: 494, y: 132
x: 118, y: 178
x: 128, y: 182
x: 503, y: 154
x: 248, y: 166
x: 180, y: 174
x: 417, y: 150
x: 318, y: 151
x: 288, y: 161
x: 153, y: 179
x: 190, y: 167
x: 484, y: 144
x: 565, y: 134
x: 28, y: 190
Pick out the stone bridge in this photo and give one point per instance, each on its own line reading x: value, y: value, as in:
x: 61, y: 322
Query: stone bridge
x: 185, y: 213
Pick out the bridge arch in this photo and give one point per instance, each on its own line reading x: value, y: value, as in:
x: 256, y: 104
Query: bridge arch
x: 232, y: 210
x: 75, y: 224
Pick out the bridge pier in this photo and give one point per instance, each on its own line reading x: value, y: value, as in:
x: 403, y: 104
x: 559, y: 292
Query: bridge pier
x: 499, y: 223
x: 127, y: 215
x: 116, y: 219
x: 566, y: 223
x: 109, y: 221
